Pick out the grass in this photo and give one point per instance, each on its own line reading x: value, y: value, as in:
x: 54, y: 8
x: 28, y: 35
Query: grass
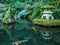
x: 45, y: 22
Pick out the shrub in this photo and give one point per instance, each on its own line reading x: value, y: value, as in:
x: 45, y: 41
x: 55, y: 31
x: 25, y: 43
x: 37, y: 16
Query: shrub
x: 56, y: 14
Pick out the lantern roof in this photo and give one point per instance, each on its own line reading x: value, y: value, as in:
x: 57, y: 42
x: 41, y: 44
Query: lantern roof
x: 48, y: 7
x: 47, y: 11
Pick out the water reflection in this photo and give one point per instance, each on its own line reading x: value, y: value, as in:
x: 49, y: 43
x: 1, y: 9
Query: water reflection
x: 24, y: 31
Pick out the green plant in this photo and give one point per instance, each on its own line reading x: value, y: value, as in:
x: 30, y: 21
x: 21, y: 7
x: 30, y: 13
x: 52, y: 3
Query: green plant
x: 6, y: 15
x: 56, y: 14
x: 18, y: 5
x: 55, y: 3
x: 36, y: 11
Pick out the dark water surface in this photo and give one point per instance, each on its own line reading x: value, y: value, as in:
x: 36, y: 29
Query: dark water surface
x: 23, y: 31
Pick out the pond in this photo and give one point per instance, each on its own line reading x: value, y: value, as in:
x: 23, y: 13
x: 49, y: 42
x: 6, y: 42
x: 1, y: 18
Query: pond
x: 23, y: 31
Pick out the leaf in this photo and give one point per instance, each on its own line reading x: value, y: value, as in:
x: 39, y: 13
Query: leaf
x: 6, y: 15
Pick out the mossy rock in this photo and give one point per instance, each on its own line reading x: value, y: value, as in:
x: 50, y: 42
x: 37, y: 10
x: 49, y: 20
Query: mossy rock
x: 45, y: 22
x: 48, y: 6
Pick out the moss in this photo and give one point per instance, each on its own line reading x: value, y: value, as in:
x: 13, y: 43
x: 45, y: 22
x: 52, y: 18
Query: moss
x: 47, y: 22
x: 47, y: 6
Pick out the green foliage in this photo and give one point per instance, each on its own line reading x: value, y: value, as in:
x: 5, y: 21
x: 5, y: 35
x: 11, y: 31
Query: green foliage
x: 45, y: 2
x: 56, y: 14
x: 6, y: 15
x: 30, y: 1
x: 7, y: 1
x: 36, y: 11
x: 18, y: 5
x: 55, y: 3
x: 20, y: 0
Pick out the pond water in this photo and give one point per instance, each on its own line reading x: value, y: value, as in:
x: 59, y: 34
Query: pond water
x: 23, y: 31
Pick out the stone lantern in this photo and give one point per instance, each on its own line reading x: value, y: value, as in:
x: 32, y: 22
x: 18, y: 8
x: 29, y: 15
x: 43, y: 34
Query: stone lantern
x: 47, y: 13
